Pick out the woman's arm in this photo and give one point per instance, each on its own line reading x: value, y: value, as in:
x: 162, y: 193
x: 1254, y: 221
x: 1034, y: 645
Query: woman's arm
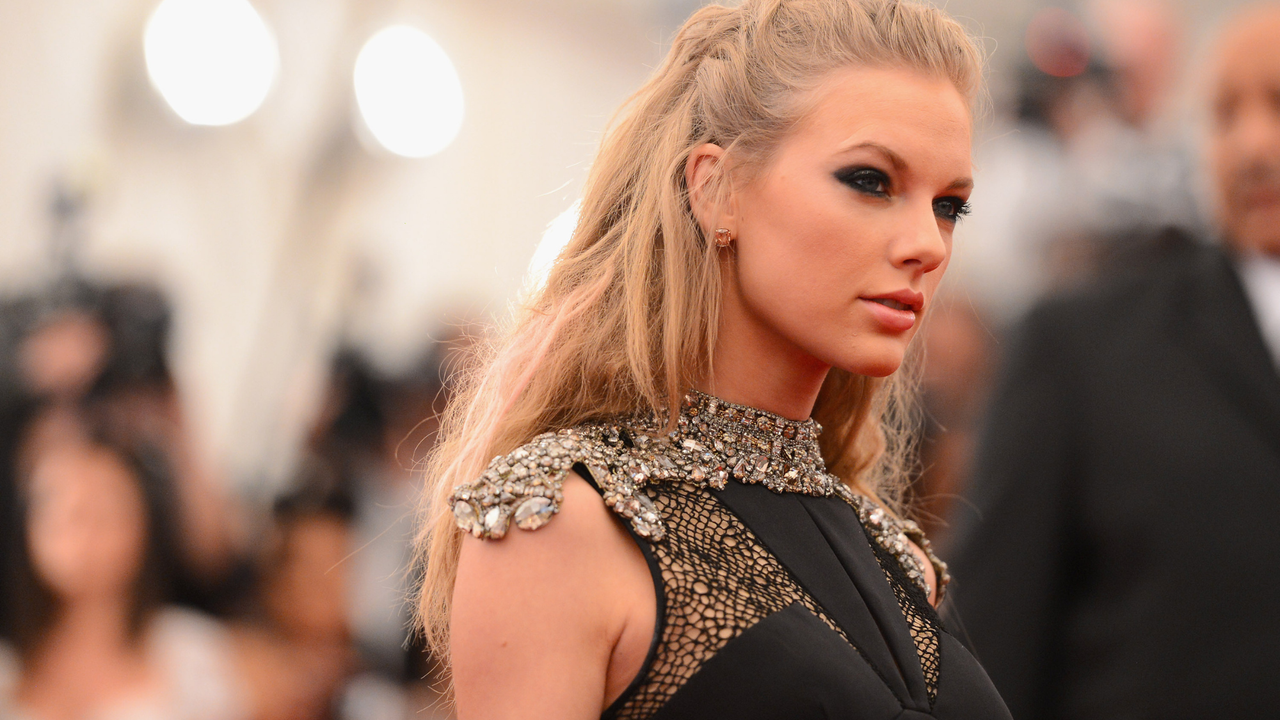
x: 551, y: 623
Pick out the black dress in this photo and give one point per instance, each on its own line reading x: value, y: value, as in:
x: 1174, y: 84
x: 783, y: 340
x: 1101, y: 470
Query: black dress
x: 772, y: 603
x: 777, y: 606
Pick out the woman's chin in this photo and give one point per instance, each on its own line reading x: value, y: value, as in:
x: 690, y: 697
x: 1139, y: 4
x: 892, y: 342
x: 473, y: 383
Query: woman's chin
x: 875, y: 362
x: 881, y: 371
x: 877, y: 368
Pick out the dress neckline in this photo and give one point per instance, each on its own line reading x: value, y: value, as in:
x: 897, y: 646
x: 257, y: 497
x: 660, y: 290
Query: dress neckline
x: 630, y: 459
x: 720, y: 439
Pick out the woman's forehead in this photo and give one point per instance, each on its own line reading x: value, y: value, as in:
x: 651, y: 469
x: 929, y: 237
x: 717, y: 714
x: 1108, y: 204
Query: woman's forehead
x: 93, y: 470
x: 855, y: 96
x: 915, y: 116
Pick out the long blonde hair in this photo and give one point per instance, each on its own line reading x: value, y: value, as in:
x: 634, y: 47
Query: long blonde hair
x: 627, y: 318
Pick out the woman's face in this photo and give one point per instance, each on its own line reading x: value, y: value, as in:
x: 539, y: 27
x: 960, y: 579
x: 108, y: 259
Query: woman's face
x: 842, y: 237
x: 86, y: 523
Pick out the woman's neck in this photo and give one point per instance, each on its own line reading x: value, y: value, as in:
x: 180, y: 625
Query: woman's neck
x: 757, y: 367
x: 97, y: 625
x: 87, y: 661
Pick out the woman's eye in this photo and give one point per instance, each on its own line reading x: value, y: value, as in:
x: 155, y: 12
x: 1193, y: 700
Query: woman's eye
x: 866, y: 180
x: 950, y: 208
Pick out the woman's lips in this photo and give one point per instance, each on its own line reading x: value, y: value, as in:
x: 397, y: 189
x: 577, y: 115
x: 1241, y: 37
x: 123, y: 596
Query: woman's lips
x: 893, y: 315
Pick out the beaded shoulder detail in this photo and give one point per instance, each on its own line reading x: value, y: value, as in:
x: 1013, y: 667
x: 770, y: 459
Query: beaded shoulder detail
x: 714, y: 441
x: 524, y: 486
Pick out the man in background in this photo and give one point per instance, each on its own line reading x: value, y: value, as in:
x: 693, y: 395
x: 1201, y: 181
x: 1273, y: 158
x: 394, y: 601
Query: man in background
x: 1118, y: 557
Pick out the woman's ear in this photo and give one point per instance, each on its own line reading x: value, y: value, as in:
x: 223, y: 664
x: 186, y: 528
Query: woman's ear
x: 710, y: 197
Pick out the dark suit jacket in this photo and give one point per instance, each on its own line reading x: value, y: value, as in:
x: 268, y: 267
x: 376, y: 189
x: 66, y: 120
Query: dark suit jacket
x: 1121, y: 556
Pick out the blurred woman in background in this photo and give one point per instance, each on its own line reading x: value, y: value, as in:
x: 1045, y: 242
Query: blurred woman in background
x: 760, y: 236
x: 85, y: 355
x: 93, y: 639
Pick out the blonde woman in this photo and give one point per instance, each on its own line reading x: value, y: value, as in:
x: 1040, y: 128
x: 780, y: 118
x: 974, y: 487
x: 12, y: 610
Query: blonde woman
x: 697, y: 423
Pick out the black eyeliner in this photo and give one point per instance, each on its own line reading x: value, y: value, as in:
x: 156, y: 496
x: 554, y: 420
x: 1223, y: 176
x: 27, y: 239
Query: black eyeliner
x: 962, y: 208
x: 864, y: 179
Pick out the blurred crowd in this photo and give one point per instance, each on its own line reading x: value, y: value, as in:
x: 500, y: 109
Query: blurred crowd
x: 135, y: 586
x: 1102, y: 396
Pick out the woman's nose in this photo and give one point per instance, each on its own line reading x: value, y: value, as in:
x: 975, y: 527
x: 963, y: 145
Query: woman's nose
x: 921, y: 246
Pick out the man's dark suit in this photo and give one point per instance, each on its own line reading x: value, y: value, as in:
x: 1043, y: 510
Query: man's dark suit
x: 1121, y: 556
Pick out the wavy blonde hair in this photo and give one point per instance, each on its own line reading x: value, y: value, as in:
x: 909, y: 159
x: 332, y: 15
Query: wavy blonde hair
x: 627, y: 318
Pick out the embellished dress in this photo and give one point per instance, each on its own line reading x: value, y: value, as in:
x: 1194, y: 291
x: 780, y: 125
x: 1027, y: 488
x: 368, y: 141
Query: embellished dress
x: 781, y: 592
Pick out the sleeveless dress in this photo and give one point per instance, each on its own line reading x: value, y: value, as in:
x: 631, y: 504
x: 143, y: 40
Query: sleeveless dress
x: 781, y: 593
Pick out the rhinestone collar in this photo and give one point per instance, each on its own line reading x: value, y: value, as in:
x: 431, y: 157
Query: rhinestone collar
x: 714, y: 440
x: 754, y: 446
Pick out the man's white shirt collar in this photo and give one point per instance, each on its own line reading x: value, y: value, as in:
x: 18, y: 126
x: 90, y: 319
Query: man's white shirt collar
x: 1260, y: 275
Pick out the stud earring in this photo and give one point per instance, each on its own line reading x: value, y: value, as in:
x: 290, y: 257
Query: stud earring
x: 724, y: 238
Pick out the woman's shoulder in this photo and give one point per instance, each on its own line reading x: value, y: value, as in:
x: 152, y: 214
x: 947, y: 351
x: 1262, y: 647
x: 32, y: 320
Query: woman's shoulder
x: 525, y: 487
x: 574, y: 599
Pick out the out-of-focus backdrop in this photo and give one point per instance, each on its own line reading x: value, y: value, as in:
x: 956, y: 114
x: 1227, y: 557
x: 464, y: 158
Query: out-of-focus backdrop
x: 240, y: 242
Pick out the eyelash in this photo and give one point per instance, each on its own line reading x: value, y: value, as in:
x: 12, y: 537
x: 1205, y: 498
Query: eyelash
x: 960, y: 208
x: 857, y: 179
x: 854, y: 178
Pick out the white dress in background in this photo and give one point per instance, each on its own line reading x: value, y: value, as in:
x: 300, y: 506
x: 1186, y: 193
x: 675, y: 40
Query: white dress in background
x: 192, y: 654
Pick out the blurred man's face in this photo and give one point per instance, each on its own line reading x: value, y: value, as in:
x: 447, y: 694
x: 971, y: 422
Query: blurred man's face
x: 1244, y: 135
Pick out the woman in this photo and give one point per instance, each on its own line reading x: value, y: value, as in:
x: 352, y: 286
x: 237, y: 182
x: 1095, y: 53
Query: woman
x: 93, y: 640
x: 713, y: 362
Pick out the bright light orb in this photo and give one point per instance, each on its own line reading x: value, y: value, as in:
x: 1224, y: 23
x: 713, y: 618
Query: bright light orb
x: 408, y: 92
x: 554, y: 241
x: 213, y: 61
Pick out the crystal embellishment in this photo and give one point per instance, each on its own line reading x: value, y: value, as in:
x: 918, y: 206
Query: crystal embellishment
x: 466, y: 515
x: 632, y: 458
x: 533, y: 512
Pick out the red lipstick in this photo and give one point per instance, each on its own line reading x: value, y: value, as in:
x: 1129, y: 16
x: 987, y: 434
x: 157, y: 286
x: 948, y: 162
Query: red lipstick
x: 897, y: 310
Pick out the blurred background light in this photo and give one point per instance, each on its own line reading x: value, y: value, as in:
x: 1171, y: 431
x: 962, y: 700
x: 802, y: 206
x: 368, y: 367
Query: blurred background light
x: 408, y: 92
x: 281, y: 317
x: 214, y: 61
x: 554, y: 240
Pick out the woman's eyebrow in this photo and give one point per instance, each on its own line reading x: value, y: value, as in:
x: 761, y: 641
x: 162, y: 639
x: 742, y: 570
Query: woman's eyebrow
x: 894, y: 158
x: 900, y: 164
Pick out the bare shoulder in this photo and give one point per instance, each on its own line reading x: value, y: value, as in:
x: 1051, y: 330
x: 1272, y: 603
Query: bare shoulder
x: 583, y: 533
x: 930, y: 575
x: 549, y: 613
